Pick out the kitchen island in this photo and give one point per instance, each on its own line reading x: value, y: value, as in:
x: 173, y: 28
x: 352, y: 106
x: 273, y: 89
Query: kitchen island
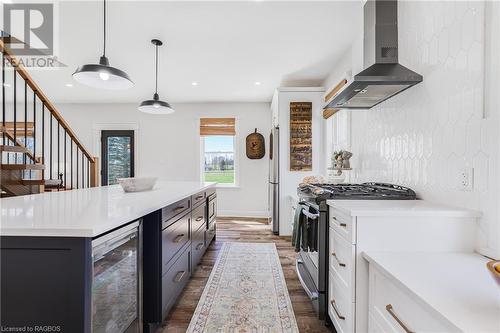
x: 99, y: 259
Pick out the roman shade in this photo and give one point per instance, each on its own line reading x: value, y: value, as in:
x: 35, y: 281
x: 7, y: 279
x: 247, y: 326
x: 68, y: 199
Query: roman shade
x: 217, y: 126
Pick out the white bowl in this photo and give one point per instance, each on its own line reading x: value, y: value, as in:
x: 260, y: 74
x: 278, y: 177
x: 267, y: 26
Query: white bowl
x: 137, y: 184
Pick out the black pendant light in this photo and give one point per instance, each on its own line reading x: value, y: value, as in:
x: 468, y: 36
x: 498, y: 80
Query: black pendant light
x: 102, y: 75
x: 155, y: 105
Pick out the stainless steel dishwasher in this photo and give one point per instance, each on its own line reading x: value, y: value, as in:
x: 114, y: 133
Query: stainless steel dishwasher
x: 117, y: 281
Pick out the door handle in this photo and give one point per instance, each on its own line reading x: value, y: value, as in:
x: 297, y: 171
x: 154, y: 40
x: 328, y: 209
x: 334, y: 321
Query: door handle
x: 337, y: 259
x: 178, y: 238
x: 334, y: 306
x: 199, y: 246
x: 401, y: 323
x: 313, y: 295
x: 179, y: 276
x: 199, y: 218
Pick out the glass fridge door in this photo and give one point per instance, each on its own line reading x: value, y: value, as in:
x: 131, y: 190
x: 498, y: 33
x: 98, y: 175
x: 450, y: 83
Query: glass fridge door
x: 116, y: 294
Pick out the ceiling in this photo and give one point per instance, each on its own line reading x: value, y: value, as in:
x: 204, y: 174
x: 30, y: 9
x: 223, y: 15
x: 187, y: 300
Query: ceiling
x: 226, y: 47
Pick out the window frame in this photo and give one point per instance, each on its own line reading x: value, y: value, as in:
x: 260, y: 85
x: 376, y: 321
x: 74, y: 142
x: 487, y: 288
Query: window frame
x: 236, y: 183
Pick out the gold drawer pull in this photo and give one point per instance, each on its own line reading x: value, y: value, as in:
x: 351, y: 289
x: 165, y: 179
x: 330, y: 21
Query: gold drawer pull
x: 178, y: 238
x: 178, y: 209
x: 338, y: 261
x: 200, y: 245
x: 334, y: 305
x: 390, y: 309
x: 178, y: 277
x: 340, y: 223
x: 198, y: 197
x: 199, y: 218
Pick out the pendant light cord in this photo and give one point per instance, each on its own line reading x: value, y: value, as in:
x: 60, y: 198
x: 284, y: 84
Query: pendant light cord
x: 156, y: 69
x: 104, y: 28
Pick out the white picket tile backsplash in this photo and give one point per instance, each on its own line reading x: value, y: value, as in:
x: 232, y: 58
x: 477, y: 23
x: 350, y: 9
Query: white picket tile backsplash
x: 425, y: 136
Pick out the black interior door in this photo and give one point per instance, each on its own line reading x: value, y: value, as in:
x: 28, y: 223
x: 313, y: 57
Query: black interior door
x: 117, y: 156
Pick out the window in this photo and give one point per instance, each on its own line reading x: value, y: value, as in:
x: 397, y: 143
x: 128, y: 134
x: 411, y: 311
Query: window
x: 117, y: 149
x: 218, y: 150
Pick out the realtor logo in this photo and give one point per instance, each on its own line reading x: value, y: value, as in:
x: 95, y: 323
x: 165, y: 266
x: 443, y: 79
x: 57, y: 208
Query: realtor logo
x: 30, y: 27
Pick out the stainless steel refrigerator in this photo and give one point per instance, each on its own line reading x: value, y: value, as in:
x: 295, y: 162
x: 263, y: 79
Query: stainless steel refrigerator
x: 274, y: 179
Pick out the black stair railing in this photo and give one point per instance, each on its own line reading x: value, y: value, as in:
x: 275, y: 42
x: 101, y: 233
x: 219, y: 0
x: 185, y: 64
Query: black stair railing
x: 46, y: 136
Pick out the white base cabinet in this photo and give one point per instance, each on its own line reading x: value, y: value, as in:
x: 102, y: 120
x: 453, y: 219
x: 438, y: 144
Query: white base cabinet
x: 431, y: 292
x: 392, y: 309
x: 377, y: 225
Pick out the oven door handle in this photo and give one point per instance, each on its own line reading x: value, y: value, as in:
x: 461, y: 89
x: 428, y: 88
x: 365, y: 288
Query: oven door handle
x: 310, y: 215
x: 312, y: 294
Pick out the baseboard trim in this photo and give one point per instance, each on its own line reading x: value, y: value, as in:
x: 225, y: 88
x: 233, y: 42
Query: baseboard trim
x: 243, y: 213
x: 263, y: 220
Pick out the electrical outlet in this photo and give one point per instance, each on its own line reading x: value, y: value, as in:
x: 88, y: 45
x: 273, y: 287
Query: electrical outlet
x: 466, y: 179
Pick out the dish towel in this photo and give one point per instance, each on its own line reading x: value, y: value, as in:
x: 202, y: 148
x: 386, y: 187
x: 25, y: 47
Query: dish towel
x: 300, y: 228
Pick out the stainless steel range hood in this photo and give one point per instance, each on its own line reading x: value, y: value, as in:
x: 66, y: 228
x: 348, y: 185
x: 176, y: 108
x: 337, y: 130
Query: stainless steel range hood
x: 383, y: 76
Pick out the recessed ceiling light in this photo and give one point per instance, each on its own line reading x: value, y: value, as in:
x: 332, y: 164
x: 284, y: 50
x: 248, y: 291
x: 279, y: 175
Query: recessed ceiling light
x: 69, y: 85
x: 6, y: 85
x: 257, y: 83
x: 194, y: 83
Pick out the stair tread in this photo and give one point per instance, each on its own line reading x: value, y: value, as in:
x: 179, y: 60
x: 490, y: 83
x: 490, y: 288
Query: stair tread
x: 13, y: 149
x: 19, y: 125
x: 23, y: 166
x: 53, y: 182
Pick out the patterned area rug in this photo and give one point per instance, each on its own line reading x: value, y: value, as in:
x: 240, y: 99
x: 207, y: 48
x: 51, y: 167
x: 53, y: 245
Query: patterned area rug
x: 246, y: 293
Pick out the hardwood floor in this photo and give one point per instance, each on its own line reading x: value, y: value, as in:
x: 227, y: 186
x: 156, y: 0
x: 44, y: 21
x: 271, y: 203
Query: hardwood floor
x: 234, y: 230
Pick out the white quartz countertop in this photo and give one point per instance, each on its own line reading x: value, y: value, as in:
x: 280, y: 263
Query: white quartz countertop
x: 87, y: 212
x: 405, y: 208
x: 456, y: 285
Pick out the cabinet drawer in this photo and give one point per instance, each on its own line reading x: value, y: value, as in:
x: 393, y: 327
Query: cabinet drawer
x: 210, y: 233
x: 198, y: 247
x: 376, y: 324
x: 174, y: 238
x: 198, y: 198
x: 212, y: 208
x: 395, y: 310
x: 173, y: 210
x: 199, y: 217
x: 343, y: 261
x: 174, y: 281
x: 340, y: 306
x: 211, y: 193
x: 344, y: 224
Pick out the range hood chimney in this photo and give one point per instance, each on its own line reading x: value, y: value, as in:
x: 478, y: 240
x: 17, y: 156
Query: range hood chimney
x: 383, y: 77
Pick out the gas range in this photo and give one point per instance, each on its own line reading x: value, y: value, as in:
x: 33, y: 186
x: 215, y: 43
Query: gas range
x: 365, y: 191
x: 312, y: 263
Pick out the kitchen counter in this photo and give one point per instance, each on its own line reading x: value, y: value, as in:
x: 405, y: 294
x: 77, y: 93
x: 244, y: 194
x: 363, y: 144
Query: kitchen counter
x: 65, y: 256
x: 87, y: 212
x: 456, y: 286
x: 395, y: 208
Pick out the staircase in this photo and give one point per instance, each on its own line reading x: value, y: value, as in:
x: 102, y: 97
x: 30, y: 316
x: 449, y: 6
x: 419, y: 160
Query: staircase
x: 39, y: 151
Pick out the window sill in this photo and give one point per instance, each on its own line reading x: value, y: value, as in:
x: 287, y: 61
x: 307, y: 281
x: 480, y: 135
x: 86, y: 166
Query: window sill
x: 228, y: 186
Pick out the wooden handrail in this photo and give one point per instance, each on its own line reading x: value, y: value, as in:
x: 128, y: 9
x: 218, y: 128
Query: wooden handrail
x: 48, y: 104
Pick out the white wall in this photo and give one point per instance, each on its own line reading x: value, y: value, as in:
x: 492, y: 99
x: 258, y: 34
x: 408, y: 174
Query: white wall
x: 289, y: 180
x: 426, y: 136
x: 168, y: 146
